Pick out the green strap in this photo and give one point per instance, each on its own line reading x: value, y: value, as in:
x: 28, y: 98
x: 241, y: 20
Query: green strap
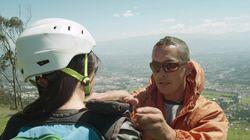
x: 86, y: 66
x: 85, y: 79
x: 73, y: 73
x: 33, y: 82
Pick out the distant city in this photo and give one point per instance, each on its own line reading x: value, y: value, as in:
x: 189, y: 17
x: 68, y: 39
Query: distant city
x: 125, y: 63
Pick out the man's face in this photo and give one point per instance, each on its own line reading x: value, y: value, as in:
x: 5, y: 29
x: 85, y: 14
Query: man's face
x: 171, y: 83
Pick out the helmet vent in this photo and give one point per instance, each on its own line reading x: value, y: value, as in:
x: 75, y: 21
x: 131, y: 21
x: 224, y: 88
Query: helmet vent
x: 22, y: 71
x: 41, y: 63
x: 69, y: 28
x: 54, y: 27
x: 82, y: 31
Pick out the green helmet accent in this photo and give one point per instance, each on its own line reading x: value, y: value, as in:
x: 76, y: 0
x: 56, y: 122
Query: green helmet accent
x: 73, y: 73
x: 33, y: 82
x: 84, y: 79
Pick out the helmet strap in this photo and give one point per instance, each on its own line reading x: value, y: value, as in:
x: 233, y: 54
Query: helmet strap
x: 84, y: 79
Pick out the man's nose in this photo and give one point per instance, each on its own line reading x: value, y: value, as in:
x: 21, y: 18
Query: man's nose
x: 162, y: 72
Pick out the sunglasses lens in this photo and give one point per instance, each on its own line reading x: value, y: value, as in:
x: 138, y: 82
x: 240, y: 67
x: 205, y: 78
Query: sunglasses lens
x: 169, y: 67
x: 155, y: 67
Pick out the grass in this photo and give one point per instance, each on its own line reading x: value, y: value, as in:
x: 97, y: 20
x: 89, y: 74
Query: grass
x: 5, y: 113
x: 245, y: 100
x: 237, y: 131
x: 215, y: 94
x: 237, y: 134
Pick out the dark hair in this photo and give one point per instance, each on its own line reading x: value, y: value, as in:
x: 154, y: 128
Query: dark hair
x: 182, y: 46
x: 60, y: 87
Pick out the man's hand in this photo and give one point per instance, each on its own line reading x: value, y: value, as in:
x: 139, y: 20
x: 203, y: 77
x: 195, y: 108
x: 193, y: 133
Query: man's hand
x: 151, y: 121
x: 119, y: 95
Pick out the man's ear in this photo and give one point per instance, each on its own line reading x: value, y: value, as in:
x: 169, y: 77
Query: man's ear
x: 189, y: 68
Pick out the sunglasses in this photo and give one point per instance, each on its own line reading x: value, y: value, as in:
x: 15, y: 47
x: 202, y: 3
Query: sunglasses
x: 167, y: 66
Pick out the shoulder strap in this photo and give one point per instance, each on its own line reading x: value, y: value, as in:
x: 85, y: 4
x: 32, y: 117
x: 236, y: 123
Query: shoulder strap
x: 109, y: 116
x: 114, y: 130
x: 109, y: 107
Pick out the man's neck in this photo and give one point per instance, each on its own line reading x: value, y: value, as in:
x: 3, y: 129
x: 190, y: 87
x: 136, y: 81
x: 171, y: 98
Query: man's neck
x: 75, y: 102
x: 175, y: 97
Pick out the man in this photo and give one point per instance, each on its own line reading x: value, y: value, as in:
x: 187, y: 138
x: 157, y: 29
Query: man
x: 170, y: 106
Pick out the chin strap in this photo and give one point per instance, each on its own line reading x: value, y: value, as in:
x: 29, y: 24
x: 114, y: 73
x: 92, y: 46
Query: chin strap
x: 84, y: 79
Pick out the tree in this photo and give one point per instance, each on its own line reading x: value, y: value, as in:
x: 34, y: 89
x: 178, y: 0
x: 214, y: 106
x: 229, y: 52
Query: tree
x: 9, y: 31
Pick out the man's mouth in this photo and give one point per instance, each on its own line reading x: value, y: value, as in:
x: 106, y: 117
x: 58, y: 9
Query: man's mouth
x: 163, y: 82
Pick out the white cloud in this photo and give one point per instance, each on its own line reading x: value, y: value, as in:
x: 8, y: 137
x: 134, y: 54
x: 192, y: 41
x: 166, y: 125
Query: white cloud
x: 178, y: 27
x: 191, y: 26
x: 117, y: 15
x: 208, y: 20
x: 238, y: 18
x: 128, y: 13
x: 137, y: 13
x: 169, y: 20
x: 212, y: 26
x: 206, y: 26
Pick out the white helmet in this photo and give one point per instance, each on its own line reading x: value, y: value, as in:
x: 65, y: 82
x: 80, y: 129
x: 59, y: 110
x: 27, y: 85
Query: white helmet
x: 50, y: 44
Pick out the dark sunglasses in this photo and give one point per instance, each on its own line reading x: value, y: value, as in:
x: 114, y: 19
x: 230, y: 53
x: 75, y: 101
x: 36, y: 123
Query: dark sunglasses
x: 167, y: 66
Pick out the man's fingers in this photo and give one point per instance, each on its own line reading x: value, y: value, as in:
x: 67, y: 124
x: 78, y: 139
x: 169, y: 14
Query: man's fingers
x: 148, y: 118
x: 148, y: 110
x: 148, y: 121
x: 142, y: 118
x: 131, y: 100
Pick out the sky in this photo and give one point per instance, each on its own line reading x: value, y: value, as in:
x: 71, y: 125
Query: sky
x: 118, y: 19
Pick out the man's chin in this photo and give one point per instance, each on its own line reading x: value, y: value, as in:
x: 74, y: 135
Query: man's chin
x: 163, y: 86
x: 164, y: 91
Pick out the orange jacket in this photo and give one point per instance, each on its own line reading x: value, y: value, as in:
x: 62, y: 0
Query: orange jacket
x: 198, y: 119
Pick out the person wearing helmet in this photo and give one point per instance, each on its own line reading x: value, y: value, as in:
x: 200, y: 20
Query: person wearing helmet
x: 56, y: 55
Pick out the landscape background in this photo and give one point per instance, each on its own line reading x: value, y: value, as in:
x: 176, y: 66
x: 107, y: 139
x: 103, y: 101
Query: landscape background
x: 125, y: 63
x: 217, y: 33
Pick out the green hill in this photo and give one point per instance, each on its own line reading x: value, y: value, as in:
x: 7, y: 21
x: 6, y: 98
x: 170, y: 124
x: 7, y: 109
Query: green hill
x: 239, y: 129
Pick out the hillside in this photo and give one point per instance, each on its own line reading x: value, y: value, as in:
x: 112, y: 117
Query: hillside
x: 239, y: 129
